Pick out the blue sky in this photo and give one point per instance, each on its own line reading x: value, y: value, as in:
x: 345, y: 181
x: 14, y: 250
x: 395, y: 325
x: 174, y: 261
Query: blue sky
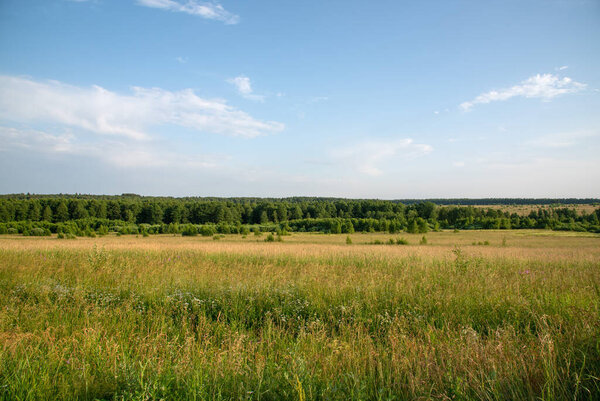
x: 381, y: 99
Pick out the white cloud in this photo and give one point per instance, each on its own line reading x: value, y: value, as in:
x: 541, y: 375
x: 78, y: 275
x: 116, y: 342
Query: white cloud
x: 562, y: 140
x: 244, y: 88
x: 181, y: 60
x: 318, y: 99
x: 564, y: 67
x: 209, y: 10
x: 114, y: 153
x: 98, y: 110
x: 544, y: 86
x: 368, y: 155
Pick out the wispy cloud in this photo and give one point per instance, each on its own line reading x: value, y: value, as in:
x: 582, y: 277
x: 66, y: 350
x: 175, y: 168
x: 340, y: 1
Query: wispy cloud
x: 209, y: 10
x: 181, y: 60
x: 563, y: 140
x: 244, y: 88
x: 101, y: 111
x: 115, y: 153
x: 367, y: 156
x: 318, y: 99
x: 544, y: 86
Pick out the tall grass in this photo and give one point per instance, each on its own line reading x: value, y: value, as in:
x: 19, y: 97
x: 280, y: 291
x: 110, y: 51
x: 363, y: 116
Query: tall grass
x: 89, y: 322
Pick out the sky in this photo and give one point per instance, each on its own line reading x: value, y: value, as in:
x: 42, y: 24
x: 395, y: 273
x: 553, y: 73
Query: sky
x: 359, y: 99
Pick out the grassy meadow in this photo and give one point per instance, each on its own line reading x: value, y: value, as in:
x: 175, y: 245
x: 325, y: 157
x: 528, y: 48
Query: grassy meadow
x: 470, y: 315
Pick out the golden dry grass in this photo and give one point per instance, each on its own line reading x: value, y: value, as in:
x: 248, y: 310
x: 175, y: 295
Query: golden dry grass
x: 167, y: 317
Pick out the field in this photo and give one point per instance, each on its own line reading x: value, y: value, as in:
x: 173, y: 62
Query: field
x: 492, y: 315
x: 524, y: 210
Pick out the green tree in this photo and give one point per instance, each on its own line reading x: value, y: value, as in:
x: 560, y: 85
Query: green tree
x: 348, y: 227
x: 78, y: 210
x: 282, y: 212
x: 113, y: 210
x: 336, y: 227
x: 62, y: 212
x: 47, y: 213
x: 412, y: 228
x: 423, y: 227
x: 35, y: 211
x: 296, y: 213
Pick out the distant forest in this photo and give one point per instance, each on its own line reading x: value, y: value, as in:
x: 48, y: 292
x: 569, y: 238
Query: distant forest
x: 133, y: 214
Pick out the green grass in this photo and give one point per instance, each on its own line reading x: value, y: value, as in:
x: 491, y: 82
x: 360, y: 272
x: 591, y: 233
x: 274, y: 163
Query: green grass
x: 273, y: 321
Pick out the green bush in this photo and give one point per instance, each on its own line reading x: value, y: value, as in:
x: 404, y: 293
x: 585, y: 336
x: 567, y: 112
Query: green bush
x: 190, y: 231
x: 207, y: 230
x: 39, y: 232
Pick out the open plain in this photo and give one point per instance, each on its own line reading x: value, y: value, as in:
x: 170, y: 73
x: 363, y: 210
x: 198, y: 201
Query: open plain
x: 467, y: 315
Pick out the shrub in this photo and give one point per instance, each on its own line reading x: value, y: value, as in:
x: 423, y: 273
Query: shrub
x: 401, y: 241
x: 207, y: 230
x: 423, y: 241
x: 190, y: 231
x: 270, y: 238
x: 39, y: 232
x: 348, y: 240
x: 12, y: 230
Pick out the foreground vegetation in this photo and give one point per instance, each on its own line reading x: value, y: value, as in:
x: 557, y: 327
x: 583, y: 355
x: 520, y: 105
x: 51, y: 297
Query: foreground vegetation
x: 472, y: 315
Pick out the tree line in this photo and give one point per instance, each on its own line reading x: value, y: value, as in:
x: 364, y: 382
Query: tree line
x: 156, y: 215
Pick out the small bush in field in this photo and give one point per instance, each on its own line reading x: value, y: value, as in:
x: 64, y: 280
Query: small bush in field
x: 39, y: 232
x: 189, y: 231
